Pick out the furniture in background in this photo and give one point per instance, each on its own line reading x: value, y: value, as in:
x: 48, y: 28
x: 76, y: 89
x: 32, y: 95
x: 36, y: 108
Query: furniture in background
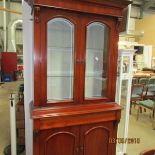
x: 143, y: 56
x: 148, y: 152
x: 134, y: 80
x: 147, y: 104
x: 143, y: 81
x: 75, y: 45
x: 136, y: 94
x: 149, y: 85
x: 8, y: 65
x: 151, y: 80
x: 150, y: 92
x: 143, y: 93
x: 143, y: 74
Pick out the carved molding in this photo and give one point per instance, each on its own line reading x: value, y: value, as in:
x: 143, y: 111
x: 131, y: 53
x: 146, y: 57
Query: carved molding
x: 37, y: 14
x: 119, y: 23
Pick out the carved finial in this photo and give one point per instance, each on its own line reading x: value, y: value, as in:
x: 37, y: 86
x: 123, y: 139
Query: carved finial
x: 119, y: 22
x: 37, y: 14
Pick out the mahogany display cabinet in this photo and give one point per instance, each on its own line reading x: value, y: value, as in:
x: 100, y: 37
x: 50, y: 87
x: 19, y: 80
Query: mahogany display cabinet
x: 75, y: 69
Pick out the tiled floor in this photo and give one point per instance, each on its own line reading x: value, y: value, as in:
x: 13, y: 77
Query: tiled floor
x: 141, y: 129
x: 5, y: 90
x: 137, y: 129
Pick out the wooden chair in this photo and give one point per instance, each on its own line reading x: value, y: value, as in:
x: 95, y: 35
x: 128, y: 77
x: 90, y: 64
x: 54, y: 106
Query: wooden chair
x: 150, y: 92
x: 134, y: 80
x: 149, y: 105
x: 143, y: 81
x: 148, y: 152
x: 136, y: 94
x: 151, y: 80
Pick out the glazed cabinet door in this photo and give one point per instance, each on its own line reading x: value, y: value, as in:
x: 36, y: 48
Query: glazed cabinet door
x: 99, y: 70
x: 95, y: 139
x: 56, y: 53
x: 73, y: 58
x: 62, y: 141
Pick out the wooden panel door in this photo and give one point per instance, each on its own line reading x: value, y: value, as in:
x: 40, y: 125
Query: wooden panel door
x: 59, y: 141
x: 95, y: 139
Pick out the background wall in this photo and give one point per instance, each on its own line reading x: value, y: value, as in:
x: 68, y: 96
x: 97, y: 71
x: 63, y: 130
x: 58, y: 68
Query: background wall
x: 11, y: 18
x: 147, y: 24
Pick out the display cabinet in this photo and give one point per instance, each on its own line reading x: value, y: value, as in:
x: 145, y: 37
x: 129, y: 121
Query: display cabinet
x: 75, y: 70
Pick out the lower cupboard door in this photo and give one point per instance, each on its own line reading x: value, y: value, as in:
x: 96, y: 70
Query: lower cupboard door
x: 96, y: 140
x: 61, y: 142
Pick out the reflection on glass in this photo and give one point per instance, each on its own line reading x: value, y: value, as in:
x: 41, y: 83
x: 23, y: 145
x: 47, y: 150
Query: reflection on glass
x: 96, y: 60
x: 60, y: 59
x: 126, y: 63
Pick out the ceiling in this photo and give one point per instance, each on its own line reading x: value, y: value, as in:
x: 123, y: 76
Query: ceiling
x: 145, y: 5
x: 20, y: 1
x: 17, y: 1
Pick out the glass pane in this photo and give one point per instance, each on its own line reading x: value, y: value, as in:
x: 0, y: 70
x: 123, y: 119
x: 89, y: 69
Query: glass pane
x: 60, y: 63
x: 96, y: 60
